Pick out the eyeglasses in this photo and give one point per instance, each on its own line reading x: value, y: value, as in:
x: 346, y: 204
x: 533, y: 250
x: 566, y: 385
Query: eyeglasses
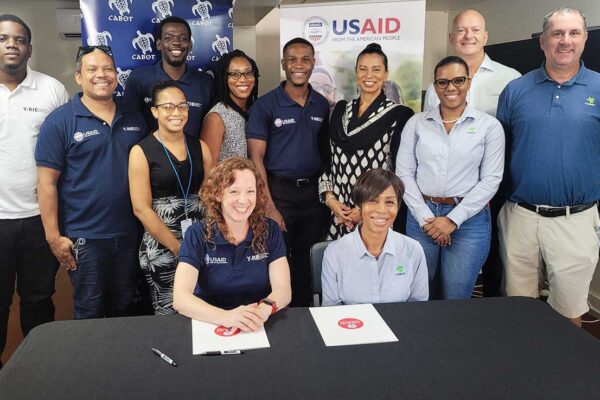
x: 183, y: 38
x: 457, y: 82
x: 170, y: 107
x: 83, y: 50
x: 236, y: 75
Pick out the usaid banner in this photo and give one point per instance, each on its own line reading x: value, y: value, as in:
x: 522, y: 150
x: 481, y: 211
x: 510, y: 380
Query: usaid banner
x: 339, y: 31
x: 129, y: 27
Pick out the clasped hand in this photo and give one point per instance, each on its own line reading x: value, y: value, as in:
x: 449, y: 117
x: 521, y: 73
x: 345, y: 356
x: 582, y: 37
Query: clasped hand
x: 344, y: 214
x: 440, y: 229
x: 248, y: 318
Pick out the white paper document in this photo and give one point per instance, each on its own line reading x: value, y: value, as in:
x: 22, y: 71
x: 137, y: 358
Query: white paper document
x: 211, y: 337
x: 352, y: 324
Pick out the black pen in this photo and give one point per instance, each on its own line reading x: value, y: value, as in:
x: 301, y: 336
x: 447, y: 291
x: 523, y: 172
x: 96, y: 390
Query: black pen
x: 222, y: 353
x: 164, y: 357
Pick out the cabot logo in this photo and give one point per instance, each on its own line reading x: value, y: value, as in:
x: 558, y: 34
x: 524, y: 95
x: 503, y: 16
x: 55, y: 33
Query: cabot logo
x: 226, y: 332
x: 350, y: 323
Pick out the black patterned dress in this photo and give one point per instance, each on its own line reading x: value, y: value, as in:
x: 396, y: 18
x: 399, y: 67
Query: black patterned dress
x: 359, y: 144
x: 157, y: 262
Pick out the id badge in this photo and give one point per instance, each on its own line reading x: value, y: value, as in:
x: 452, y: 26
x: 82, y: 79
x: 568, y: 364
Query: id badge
x: 185, y: 224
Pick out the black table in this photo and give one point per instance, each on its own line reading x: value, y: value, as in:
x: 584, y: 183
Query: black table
x: 497, y: 348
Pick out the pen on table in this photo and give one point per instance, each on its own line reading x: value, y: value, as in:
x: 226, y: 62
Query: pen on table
x: 164, y: 357
x: 222, y: 353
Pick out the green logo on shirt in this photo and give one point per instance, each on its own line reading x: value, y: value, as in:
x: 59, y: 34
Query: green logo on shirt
x: 590, y: 101
x: 400, y: 270
x: 471, y: 129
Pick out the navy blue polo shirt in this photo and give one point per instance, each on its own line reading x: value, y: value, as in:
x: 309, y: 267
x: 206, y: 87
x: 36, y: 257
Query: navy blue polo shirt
x: 92, y: 157
x: 554, y: 130
x: 198, y: 86
x: 231, y: 275
x: 293, y: 133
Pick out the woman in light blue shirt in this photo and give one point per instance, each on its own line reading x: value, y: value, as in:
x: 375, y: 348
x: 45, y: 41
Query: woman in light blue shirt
x: 451, y: 160
x: 374, y: 264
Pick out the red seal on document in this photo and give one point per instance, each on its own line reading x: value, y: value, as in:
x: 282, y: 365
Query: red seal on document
x: 350, y: 323
x: 222, y: 331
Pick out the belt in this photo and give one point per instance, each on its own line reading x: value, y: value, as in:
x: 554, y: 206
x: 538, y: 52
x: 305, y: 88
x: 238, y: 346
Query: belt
x: 443, y: 200
x: 298, y: 182
x: 556, y: 211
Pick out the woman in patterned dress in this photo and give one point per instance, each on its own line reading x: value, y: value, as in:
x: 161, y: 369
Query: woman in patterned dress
x: 166, y: 170
x: 224, y: 128
x: 364, y: 134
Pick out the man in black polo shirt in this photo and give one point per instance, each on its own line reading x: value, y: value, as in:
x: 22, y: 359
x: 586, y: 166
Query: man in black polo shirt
x: 288, y: 142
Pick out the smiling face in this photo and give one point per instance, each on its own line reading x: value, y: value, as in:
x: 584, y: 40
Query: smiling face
x: 563, y: 42
x: 468, y: 33
x: 170, y: 122
x: 370, y: 73
x: 174, y: 44
x: 452, y: 97
x: 98, y: 77
x: 239, y: 199
x: 378, y: 214
x: 297, y: 63
x: 240, y: 89
x: 15, y: 49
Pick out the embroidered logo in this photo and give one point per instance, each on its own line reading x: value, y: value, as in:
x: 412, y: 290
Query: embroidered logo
x: 399, y: 270
x: 215, y: 260
x: 258, y: 257
x: 590, y: 101
x: 471, y: 130
x: 279, y: 122
x: 317, y: 119
x: 79, y: 136
x: 132, y: 128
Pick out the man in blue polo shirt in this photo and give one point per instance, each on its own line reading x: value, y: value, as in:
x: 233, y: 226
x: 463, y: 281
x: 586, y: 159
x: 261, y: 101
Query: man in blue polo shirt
x: 83, y: 189
x: 552, y: 120
x: 174, y: 43
x: 288, y: 142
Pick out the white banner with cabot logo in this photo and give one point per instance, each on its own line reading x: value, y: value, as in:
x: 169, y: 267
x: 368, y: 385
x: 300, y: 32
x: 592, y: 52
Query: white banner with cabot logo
x: 339, y: 31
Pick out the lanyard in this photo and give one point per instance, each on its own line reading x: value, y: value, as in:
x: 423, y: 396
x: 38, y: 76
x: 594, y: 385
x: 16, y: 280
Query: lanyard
x: 184, y: 192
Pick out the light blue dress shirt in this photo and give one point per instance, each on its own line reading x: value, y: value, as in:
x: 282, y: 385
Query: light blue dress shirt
x: 351, y: 275
x: 468, y: 162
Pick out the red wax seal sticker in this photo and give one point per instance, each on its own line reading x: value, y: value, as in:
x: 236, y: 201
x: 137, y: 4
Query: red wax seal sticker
x: 350, y: 323
x: 222, y: 331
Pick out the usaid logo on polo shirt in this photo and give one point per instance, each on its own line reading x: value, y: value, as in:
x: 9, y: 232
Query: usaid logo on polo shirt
x: 316, y: 119
x: 79, y: 136
x: 214, y: 260
x: 280, y: 122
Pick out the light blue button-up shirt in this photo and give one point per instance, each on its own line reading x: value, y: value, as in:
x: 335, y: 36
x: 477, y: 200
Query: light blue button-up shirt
x: 351, y: 275
x: 468, y: 162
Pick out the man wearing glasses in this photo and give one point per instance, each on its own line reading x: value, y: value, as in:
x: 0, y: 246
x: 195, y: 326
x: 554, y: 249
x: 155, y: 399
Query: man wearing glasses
x: 26, y: 98
x: 174, y: 43
x: 488, y: 79
x: 83, y: 190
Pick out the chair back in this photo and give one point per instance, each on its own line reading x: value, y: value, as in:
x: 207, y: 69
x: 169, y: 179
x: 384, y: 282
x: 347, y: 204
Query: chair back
x: 316, y: 261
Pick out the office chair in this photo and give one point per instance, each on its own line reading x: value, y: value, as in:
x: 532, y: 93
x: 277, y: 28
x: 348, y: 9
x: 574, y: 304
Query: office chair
x: 316, y: 260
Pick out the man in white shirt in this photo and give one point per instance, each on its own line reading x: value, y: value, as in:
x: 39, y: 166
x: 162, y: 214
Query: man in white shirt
x: 488, y: 79
x: 26, y: 98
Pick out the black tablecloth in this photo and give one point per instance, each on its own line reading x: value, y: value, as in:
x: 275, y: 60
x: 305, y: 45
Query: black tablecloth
x: 497, y: 348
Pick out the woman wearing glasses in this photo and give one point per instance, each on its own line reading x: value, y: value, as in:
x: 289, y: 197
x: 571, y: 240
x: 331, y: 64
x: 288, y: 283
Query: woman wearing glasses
x: 224, y: 128
x: 364, y: 134
x: 451, y: 160
x: 166, y: 170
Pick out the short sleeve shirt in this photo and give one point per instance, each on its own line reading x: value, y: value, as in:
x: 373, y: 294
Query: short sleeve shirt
x: 231, y: 275
x: 198, y: 87
x: 92, y: 157
x: 292, y: 132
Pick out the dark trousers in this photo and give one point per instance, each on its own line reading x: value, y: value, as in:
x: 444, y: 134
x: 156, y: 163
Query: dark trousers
x: 105, y: 280
x: 305, y: 218
x: 491, y: 272
x: 25, y: 255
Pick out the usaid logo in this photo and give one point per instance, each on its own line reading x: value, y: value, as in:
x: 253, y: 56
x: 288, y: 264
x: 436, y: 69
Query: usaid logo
x: 201, y: 9
x: 79, y: 136
x: 258, y: 257
x: 164, y: 7
x: 368, y: 26
x: 315, y: 30
x: 98, y: 38
x: 214, y: 260
x: 280, y: 122
x: 147, y: 100
x: 220, y: 44
x: 350, y: 323
x: 122, y: 76
x: 143, y: 41
x: 316, y: 119
x: 194, y: 104
x: 122, y: 6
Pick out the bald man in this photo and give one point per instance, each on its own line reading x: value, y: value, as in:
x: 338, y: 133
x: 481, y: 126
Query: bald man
x: 489, y: 78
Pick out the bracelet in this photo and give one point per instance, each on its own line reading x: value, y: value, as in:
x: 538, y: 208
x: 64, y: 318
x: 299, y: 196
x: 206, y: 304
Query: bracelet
x: 329, y: 196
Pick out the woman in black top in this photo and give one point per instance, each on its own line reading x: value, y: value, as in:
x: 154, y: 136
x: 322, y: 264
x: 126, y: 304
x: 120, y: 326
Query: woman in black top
x: 166, y: 170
